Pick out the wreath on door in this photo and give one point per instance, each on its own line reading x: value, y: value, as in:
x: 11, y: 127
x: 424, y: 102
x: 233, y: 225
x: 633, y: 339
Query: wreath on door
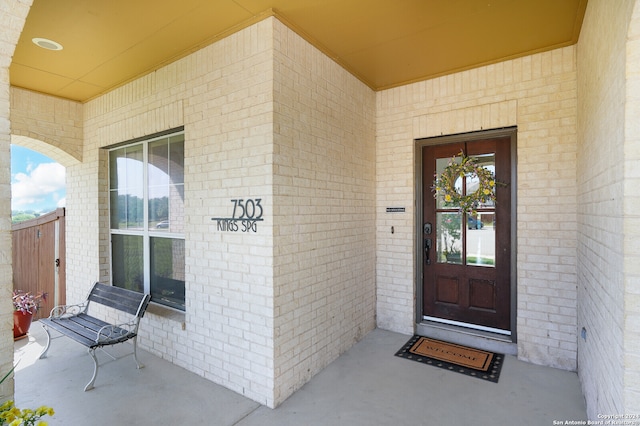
x: 445, y: 184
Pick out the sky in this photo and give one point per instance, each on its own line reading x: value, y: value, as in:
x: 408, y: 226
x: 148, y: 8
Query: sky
x: 37, y: 182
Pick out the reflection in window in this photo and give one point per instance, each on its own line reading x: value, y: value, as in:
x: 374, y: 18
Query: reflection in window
x: 166, y: 184
x: 481, y: 239
x: 167, y: 271
x: 127, y: 262
x: 487, y: 161
x: 126, y: 188
x: 449, y: 232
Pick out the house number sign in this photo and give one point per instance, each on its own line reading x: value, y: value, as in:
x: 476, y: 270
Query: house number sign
x: 244, y: 218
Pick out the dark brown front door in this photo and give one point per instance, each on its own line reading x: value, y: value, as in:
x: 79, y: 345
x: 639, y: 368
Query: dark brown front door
x: 466, y: 257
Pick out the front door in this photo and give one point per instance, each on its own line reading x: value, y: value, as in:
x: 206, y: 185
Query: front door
x: 467, y: 256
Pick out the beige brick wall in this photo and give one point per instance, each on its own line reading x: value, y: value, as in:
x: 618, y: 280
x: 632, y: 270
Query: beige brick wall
x: 268, y: 309
x: 12, y: 17
x: 538, y: 94
x: 324, y: 192
x: 47, y: 124
x: 607, y: 242
x: 222, y: 94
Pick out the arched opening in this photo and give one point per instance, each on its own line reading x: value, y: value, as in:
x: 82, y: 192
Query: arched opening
x: 37, y: 184
x: 38, y: 194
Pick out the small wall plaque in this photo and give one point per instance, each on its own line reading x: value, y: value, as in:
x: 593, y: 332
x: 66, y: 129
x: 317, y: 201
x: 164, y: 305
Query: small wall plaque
x: 395, y: 209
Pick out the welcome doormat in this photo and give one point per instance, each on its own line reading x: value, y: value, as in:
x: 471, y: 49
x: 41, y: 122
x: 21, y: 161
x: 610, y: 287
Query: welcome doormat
x: 461, y: 359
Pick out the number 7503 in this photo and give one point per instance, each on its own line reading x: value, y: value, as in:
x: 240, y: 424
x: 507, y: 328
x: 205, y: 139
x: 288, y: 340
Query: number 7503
x: 247, y: 209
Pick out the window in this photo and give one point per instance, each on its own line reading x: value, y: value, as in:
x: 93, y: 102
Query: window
x: 146, y: 192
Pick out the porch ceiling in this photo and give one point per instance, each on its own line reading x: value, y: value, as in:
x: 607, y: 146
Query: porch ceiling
x: 384, y: 43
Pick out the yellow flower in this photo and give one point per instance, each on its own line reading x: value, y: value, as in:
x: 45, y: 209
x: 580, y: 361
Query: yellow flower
x: 492, y: 183
x: 44, y: 411
x: 486, y: 192
x: 447, y: 198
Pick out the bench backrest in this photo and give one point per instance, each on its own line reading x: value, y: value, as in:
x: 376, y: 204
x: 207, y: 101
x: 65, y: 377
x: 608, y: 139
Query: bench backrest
x: 129, y: 301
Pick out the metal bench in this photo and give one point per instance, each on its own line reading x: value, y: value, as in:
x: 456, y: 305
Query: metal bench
x: 73, y: 321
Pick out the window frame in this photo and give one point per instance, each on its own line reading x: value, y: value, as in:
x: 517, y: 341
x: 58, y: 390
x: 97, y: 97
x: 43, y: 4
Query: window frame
x: 146, y: 232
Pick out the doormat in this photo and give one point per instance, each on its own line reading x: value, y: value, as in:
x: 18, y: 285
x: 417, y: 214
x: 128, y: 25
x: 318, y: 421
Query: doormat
x: 461, y: 359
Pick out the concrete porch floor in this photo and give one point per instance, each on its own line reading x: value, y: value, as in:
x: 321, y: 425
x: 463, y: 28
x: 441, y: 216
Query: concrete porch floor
x: 367, y: 385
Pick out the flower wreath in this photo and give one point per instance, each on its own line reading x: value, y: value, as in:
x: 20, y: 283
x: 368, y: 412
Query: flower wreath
x: 445, y: 184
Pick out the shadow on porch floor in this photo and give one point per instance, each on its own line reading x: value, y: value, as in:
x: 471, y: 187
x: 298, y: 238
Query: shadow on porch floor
x: 367, y: 385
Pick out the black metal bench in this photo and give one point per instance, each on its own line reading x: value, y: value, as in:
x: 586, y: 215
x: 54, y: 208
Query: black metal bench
x: 73, y: 321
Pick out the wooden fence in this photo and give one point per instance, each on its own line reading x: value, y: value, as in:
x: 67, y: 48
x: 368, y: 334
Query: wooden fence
x: 39, y: 258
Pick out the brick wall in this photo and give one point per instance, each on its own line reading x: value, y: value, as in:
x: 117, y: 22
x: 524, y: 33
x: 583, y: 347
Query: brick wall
x: 47, y: 124
x: 265, y: 309
x: 12, y: 16
x: 607, y: 194
x: 538, y: 94
x: 222, y: 95
x: 324, y: 192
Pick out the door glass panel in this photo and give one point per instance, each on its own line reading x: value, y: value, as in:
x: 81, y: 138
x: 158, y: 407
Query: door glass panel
x: 441, y: 164
x: 481, y: 239
x: 487, y: 161
x: 449, y: 237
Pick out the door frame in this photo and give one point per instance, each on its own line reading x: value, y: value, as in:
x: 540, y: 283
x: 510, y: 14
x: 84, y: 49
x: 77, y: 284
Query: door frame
x: 423, y: 327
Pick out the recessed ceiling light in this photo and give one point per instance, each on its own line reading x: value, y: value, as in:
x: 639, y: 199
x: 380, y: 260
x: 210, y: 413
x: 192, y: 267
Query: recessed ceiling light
x: 46, y: 43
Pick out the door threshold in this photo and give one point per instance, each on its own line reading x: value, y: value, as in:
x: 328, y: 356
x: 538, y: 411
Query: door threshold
x: 479, y: 339
x: 475, y: 327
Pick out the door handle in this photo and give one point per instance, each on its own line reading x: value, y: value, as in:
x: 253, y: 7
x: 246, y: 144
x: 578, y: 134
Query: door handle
x: 427, y: 250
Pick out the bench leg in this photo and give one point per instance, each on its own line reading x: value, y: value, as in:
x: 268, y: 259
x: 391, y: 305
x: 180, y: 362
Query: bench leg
x: 43, y: 354
x: 89, y: 386
x: 139, y: 365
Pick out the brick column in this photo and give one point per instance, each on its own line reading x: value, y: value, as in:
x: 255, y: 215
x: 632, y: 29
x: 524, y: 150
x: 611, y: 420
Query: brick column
x: 12, y: 18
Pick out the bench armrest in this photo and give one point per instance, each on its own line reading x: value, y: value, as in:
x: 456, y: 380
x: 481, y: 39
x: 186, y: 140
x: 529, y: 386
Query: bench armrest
x: 110, y: 333
x: 67, y: 311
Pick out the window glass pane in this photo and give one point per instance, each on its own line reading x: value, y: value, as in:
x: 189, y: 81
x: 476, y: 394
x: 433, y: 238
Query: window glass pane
x: 176, y: 159
x: 114, y: 178
x: 127, y: 261
x: 176, y: 208
x: 481, y: 240
x: 159, y: 162
x: 449, y: 237
x: 166, y: 184
x: 126, y: 180
x: 118, y: 211
x: 159, y: 207
x: 167, y: 271
x: 134, y: 165
x: 441, y: 164
x: 126, y: 211
x: 488, y: 162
